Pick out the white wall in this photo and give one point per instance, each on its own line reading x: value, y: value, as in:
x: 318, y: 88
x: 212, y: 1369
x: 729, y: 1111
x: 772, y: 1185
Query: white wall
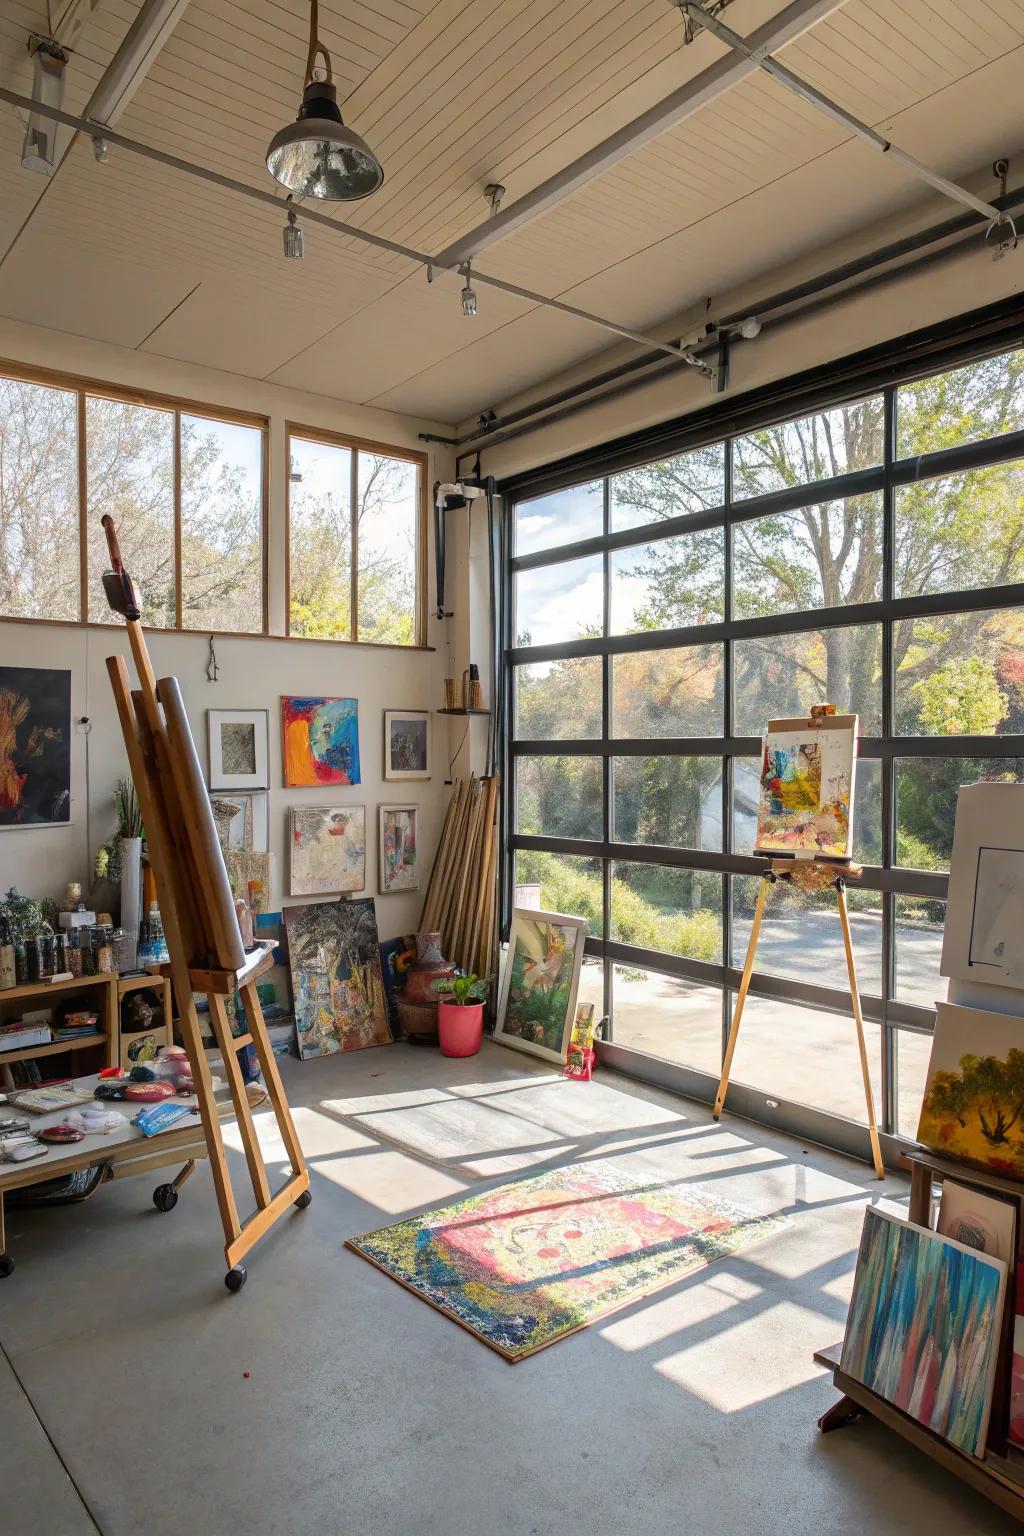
x: 254, y: 671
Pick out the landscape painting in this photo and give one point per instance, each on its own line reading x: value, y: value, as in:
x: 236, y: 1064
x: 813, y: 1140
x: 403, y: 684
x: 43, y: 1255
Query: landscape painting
x: 399, y: 867
x: 973, y: 1105
x: 539, y: 985
x: 320, y: 741
x: 35, y: 746
x: 328, y: 849
x: 806, y: 800
x: 336, y: 977
x: 924, y: 1326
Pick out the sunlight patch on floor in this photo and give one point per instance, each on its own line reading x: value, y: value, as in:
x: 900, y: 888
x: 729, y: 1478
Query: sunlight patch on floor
x: 395, y: 1184
x: 753, y: 1359
x: 670, y: 1316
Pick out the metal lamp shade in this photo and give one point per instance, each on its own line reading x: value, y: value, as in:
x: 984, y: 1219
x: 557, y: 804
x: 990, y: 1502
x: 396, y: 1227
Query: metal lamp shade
x: 317, y: 156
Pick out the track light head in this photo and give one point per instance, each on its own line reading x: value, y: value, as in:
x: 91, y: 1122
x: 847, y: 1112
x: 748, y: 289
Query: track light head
x: 468, y: 294
x: 292, y: 235
x: 750, y: 327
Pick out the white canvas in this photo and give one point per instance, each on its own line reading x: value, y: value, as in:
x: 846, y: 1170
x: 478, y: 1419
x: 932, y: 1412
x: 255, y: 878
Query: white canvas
x: 983, y: 938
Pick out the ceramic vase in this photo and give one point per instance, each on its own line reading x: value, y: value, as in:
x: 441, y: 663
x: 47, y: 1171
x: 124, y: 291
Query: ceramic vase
x: 131, y: 897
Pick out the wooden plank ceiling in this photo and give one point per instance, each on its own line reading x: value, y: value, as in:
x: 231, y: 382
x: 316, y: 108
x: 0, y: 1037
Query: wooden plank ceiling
x: 453, y: 94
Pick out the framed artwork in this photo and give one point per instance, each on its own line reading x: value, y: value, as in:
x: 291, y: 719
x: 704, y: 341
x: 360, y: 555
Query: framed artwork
x: 924, y: 1325
x: 406, y: 744
x: 978, y: 1220
x: 537, y: 1002
x: 806, y: 791
x: 973, y: 1100
x: 983, y: 939
x: 328, y: 849
x: 239, y: 747
x: 334, y: 956
x: 320, y: 741
x: 250, y: 874
x: 242, y: 821
x: 35, y: 747
x: 399, y: 855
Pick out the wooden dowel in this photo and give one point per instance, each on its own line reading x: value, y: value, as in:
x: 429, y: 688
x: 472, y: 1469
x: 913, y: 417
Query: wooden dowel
x: 446, y: 914
x: 457, y: 940
x: 443, y: 862
x: 741, y: 997
x: 435, y: 874
x: 486, y: 874
x: 869, y: 1097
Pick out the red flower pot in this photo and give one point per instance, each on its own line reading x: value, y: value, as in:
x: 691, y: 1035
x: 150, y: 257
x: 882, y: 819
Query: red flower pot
x: 461, y: 1028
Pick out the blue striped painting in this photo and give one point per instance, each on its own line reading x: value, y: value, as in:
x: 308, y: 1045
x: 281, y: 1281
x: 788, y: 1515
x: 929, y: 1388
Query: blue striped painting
x: 923, y: 1330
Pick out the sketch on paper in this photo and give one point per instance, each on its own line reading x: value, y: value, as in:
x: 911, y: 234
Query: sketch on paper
x: 997, y: 923
x: 328, y: 849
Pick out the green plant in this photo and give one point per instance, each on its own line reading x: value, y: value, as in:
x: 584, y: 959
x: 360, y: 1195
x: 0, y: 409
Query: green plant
x: 464, y: 990
x: 23, y: 916
x: 107, y: 864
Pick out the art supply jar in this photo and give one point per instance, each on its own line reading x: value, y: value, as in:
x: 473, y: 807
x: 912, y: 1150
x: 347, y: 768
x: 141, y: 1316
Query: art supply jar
x: 8, y: 974
x: 103, y: 951
x: 74, y: 953
x: 60, y: 954
x: 86, y: 950
x: 119, y: 949
x: 40, y: 957
x: 20, y: 963
x: 244, y: 923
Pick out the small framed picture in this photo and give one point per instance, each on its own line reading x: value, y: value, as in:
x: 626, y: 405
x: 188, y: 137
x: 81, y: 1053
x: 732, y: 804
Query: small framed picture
x: 242, y: 820
x: 537, y: 1001
x: 399, y: 861
x: 406, y: 744
x: 239, y: 743
x: 328, y: 849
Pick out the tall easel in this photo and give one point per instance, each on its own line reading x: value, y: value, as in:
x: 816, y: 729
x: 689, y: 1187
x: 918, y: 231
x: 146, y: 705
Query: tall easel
x: 811, y: 873
x: 200, y: 926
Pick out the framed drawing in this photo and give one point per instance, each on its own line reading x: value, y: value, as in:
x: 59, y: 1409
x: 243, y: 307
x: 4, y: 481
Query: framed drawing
x: 320, y: 741
x: 328, y: 849
x: 537, y: 1002
x: 334, y: 955
x: 35, y: 746
x: 239, y: 748
x: 399, y: 866
x: 806, y: 791
x: 242, y: 821
x: 406, y: 744
x: 983, y: 939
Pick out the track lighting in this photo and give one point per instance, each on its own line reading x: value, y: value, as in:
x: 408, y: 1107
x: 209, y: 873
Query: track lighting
x: 750, y: 327
x: 292, y: 237
x: 468, y: 295
x: 39, y: 150
x: 317, y: 156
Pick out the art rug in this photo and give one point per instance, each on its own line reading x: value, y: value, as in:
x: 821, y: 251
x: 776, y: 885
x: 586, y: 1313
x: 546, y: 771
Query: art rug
x: 528, y: 1263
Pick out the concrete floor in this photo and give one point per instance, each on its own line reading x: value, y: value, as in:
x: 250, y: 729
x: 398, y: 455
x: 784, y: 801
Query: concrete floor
x: 365, y: 1410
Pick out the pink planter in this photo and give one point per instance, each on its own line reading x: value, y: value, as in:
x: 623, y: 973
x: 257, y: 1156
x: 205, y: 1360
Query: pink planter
x: 461, y: 1028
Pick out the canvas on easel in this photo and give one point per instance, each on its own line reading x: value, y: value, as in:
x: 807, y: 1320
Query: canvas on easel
x: 807, y: 778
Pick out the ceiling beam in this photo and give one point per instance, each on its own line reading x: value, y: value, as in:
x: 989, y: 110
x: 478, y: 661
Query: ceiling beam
x: 134, y: 59
x: 789, y: 24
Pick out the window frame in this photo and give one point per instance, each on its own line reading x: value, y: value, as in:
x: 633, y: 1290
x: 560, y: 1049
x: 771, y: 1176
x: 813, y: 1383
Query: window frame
x: 880, y: 373
x: 84, y: 388
x: 331, y: 439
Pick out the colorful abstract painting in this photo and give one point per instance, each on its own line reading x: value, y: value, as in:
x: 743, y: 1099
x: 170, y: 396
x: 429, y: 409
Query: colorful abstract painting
x: 537, y: 1003
x: 526, y: 1264
x: 328, y: 849
x: 399, y: 863
x: 807, y: 787
x: 336, y: 978
x: 320, y: 741
x: 35, y: 746
x: 923, y: 1330
x: 1016, y: 1429
x: 973, y: 1104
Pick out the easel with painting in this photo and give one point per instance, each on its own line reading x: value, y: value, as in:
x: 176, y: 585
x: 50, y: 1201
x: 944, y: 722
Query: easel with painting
x: 805, y: 828
x: 200, y: 925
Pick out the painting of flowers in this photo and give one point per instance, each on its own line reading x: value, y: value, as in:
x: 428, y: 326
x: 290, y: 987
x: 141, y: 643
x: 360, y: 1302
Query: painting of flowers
x: 924, y: 1325
x: 541, y: 978
x: 35, y: 746
x: 320, y: 741
x: 334, y: 955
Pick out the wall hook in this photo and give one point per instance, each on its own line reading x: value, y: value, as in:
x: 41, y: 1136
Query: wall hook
x: 212, y: 669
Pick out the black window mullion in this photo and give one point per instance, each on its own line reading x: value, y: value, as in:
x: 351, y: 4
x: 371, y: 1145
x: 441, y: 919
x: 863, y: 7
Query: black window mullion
x: 728, y: 726
x: 607, y: 766
x: 888, y: 1039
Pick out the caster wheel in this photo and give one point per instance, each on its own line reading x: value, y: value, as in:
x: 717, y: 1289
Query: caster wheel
x: 235, y: 1278
x: 304, y: 1199
x: 6, y: 1265
x: 165, y: 1197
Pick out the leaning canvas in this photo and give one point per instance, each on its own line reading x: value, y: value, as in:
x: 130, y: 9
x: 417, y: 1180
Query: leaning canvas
x: 336, y: 977
x: 328, y: 849
x: 537, y: 1003
x: 983, y: 938
x: 320, y: 741
x: 973, y: 1105
x: 807, y: 778
x: 924, y: 1325
x: 35, y: 746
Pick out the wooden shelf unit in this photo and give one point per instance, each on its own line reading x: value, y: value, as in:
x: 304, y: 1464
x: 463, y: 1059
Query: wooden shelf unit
x: 42, y: 991
x: 986, y: 1476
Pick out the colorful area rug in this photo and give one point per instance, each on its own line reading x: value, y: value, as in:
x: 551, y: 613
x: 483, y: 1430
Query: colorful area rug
x: 526, y: 1264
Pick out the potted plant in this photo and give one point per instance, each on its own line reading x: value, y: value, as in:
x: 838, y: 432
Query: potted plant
x: 460, y: 1014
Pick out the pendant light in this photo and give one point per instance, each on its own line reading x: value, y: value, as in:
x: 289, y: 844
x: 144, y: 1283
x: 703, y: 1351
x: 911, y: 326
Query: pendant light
x: 317, y: 156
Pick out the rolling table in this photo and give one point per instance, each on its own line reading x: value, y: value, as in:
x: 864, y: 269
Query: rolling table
x: 120, y: 1152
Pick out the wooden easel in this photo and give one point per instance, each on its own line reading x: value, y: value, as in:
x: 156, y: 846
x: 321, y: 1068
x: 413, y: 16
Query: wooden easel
x: 200, y: 926
x: 825, y: 872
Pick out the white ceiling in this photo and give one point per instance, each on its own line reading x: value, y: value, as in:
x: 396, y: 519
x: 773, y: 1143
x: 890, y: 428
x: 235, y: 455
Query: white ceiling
x: 452, y: 95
